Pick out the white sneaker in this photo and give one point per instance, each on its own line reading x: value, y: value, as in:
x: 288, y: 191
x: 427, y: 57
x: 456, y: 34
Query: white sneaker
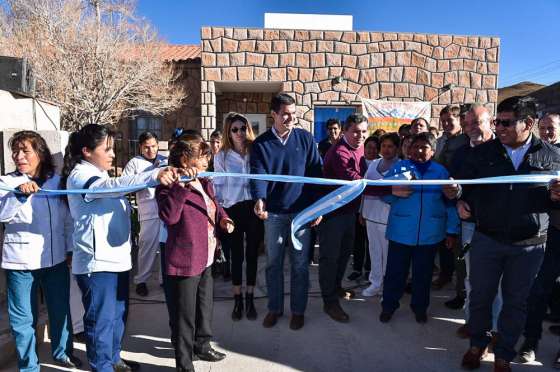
x: 371, y: 291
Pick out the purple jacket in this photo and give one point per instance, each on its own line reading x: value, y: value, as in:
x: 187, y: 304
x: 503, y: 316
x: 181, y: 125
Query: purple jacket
x: 343, y: 162
x: 184, y: 212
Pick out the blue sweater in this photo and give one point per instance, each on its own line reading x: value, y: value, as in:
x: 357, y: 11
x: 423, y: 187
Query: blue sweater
x: 426, y: 216
x: 298, y: 157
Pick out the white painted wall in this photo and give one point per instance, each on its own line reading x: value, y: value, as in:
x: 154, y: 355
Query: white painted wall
x: 16, y: 112
x: 308, y: 21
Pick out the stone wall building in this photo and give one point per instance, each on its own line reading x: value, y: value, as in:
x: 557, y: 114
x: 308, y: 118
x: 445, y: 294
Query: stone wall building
x: 242, y: 66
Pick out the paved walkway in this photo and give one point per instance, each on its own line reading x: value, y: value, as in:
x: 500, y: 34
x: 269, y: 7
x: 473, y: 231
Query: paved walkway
x: 322, y: 345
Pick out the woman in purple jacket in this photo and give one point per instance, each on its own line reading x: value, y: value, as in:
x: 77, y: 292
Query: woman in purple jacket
x: 193, y: 218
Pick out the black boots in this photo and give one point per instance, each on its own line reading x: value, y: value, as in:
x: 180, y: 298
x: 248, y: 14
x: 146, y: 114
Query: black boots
x: 237, y: 312
x: 250, y: 305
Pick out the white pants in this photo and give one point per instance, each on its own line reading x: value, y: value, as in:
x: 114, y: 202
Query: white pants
x: 378, y: 247
x: 148, y: 247
x: 76, y: 306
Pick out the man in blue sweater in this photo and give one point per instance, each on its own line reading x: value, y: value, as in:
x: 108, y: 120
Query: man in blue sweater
x: 285, y: 150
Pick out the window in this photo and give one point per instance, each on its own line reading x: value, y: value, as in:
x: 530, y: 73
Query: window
x: 322, y: 114
x: 141, y: 124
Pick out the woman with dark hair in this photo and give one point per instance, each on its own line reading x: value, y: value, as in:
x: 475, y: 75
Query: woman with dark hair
x: 235, y: 196
x: 193, y: 219
x: 148, y: 240
x: 101, y: 259
x: 37, y: 244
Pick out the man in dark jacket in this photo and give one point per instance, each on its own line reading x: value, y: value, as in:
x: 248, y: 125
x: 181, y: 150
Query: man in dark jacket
x: 511, y: 224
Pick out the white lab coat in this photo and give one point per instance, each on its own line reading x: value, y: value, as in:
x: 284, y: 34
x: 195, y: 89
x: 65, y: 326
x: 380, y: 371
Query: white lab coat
x: 102, y: 221
x: 38, y: 228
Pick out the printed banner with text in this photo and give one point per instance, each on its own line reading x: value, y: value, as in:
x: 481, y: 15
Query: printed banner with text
x: 390, y: 115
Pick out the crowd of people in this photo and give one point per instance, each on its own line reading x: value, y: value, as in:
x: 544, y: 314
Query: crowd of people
x: 499, y: 241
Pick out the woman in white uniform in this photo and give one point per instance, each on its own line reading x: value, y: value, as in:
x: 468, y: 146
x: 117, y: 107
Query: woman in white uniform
x: 101, y: 259
x: 37, y: 242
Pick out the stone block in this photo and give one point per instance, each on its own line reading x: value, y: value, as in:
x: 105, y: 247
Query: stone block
x: 301, y: 35
x: 329, y: 96
x: 353, y: 87
x: 287, y: 34
x: 451, y: 51
x: 327, y: 85
x: 305, y: 74
x: 349, y: 60
x: 465, y: 52
x: 302, y: 59
x: 437, y: 53
x: 443, y: 65
x: 390, y: 59
x: 229, y: 45
x: 321, y: 73
x: 298, y: 87
x: 427, y: 50
x: 363, y: 61
x: 476, y: 80
x: 237, y: 59
x: 492, y: 95
x: 376, y: 60
x: 397, y: 45
x: 261, y: 73
x: 375, y: 36
x: 351, y: 74
x: 423, y: 77
x: 456, y: 64
x: 430, y: 64
x: 405, y: 36
x: 229, y: 74
x: 287, y: 59
x: 374, y: 91
x: 413, y: 45
x: 401, y: 90
x: 348, y: 97
x: 403, y: 58
x: 310, y: 46
x: 271, y: 60
x: 277, y: 74
x: 292, y: 73
x: 433, y: 40
x: 217, y: 32
x: 208, y: 59
x: 489, y: 81
x: 481, y: 96
x: 222, y: 59
x: 457, y: 95
x: 373, y: 47
x: 206, y: 46
x: 279, y: 46
x: 421, y: 38
x: 270, y: 34
x: 470, y: 95
x: 240, y: 33
x: 216, y: 45
x: 335, y: 72
x: 493, y: 68
x: 245, y: 73
x: 295, y: 46
x: 256, y: 34
x: 460, y: 40
x: 387, y: 90
x: 479, y: 54
x: 451, y: 78
x: 445, y: 98
x: 390, y: 36
x: 384, y: 46
x: 495, y: 42
x: 438, y: 79
x: 206, y: 33
x: 469, y: 64
x: 254, y: 59
x: 416, y: 91
x: 263, y: 46
x: 464, y: 79
x: 332, y: 35
x: 358, y: 49
x: 485, y: 42
x: 342, y: 48
x: 409, y: 74
x: 383, y: 74
x: 247, y: 45
x: 482, y: 67
x: 317, y: 60
x: 445, y: 40
x: 492, y: 55
x: 417, y: 60
x: 362, y: 37
x: 228, y: 32
x: 212, y: 74
x: 349, y: 37
x: 325, y: 46
x: 364, y: 92
x: 396, y: 74
x: 367, y: 76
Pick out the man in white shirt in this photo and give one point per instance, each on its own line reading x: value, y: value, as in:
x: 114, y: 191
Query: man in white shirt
x: 148, y: 242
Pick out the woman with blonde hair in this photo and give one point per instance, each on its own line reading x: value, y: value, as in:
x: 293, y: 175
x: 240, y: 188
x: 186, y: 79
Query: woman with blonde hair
x: 234, y: 195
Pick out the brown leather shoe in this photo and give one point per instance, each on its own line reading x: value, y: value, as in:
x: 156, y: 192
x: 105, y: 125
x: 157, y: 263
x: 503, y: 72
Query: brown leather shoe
x: 463, y: 332
x: 346, y: 294
x: 473, y: 356
x: 270, y: 320
x: 296, y: 322
x: 501, y: 365
x: 336, y: 313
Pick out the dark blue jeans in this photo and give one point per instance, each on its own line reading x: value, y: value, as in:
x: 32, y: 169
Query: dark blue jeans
x: 543, y: 285
x: 105, y: 298
x: 170, y: 300
x: 22, y: 309
x: 399, y: 259
x: 518, y: 266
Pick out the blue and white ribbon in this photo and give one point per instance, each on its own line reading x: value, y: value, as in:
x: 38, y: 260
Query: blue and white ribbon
x: 348, y: 191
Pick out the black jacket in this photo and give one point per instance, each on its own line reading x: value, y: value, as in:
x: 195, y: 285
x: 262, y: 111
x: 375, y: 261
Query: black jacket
x: 510, y: 213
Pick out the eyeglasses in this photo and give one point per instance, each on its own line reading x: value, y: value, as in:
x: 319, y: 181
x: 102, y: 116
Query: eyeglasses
x: 237, y: 129
x: 505, y: 123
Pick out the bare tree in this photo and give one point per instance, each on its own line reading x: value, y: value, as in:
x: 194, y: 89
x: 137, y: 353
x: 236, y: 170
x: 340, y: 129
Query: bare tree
x: 95, y: 58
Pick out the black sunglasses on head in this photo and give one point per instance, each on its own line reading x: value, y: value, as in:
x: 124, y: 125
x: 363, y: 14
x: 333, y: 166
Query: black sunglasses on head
x: 236, y: 129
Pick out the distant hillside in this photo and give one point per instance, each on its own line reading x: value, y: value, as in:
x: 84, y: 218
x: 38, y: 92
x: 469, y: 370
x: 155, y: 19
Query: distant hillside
x: 520, y: 89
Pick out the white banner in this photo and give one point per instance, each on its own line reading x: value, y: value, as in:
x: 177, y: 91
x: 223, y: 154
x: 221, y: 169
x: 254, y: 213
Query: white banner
x: 390, y: 115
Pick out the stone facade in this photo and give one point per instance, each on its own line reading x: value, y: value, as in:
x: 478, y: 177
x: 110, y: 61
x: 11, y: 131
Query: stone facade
x: 378, y: 65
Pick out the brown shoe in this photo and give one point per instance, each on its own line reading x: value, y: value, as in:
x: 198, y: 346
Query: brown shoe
x: 473, y: 356
x: 270, y: 320
x: 336, y: 313
x: 501, y: 365
x: 463, y: 332
x: 346, y: 294
x: 440, y: 282
x: 493, y: 341
x: 296, y: 322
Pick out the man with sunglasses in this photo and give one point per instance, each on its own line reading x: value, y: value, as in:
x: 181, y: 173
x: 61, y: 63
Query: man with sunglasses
x: 333, y: 135
x: 511, y: 227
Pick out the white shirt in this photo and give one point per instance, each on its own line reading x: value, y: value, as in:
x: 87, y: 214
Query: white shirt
x: 516, y: 155
x: 231, y: 190
x: 147, y: 205
x: 283, y: 140
x: 38, y: 229
x: 102, y: 221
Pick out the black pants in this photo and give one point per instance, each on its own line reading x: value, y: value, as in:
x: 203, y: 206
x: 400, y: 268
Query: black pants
x: 336, y: 241
x: 248, y: 227
x: 170, y: 300
x: 361, y: 249
x: 543, y: 286
x: 193, y: 315
x: 446, y: 262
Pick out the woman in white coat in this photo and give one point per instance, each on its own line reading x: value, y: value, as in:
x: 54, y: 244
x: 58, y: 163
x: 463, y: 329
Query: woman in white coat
x: 101, y: 259
x: 37, y: 243
x: 375, y: 212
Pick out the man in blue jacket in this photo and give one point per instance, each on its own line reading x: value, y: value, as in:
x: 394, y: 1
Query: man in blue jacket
x: 285, y: 150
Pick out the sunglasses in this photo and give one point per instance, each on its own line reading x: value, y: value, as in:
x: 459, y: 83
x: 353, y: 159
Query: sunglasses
x: 505, y: 123
x: 236, y: 129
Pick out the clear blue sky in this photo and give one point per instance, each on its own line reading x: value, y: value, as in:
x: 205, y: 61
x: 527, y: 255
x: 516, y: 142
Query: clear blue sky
x: 529, y: 30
